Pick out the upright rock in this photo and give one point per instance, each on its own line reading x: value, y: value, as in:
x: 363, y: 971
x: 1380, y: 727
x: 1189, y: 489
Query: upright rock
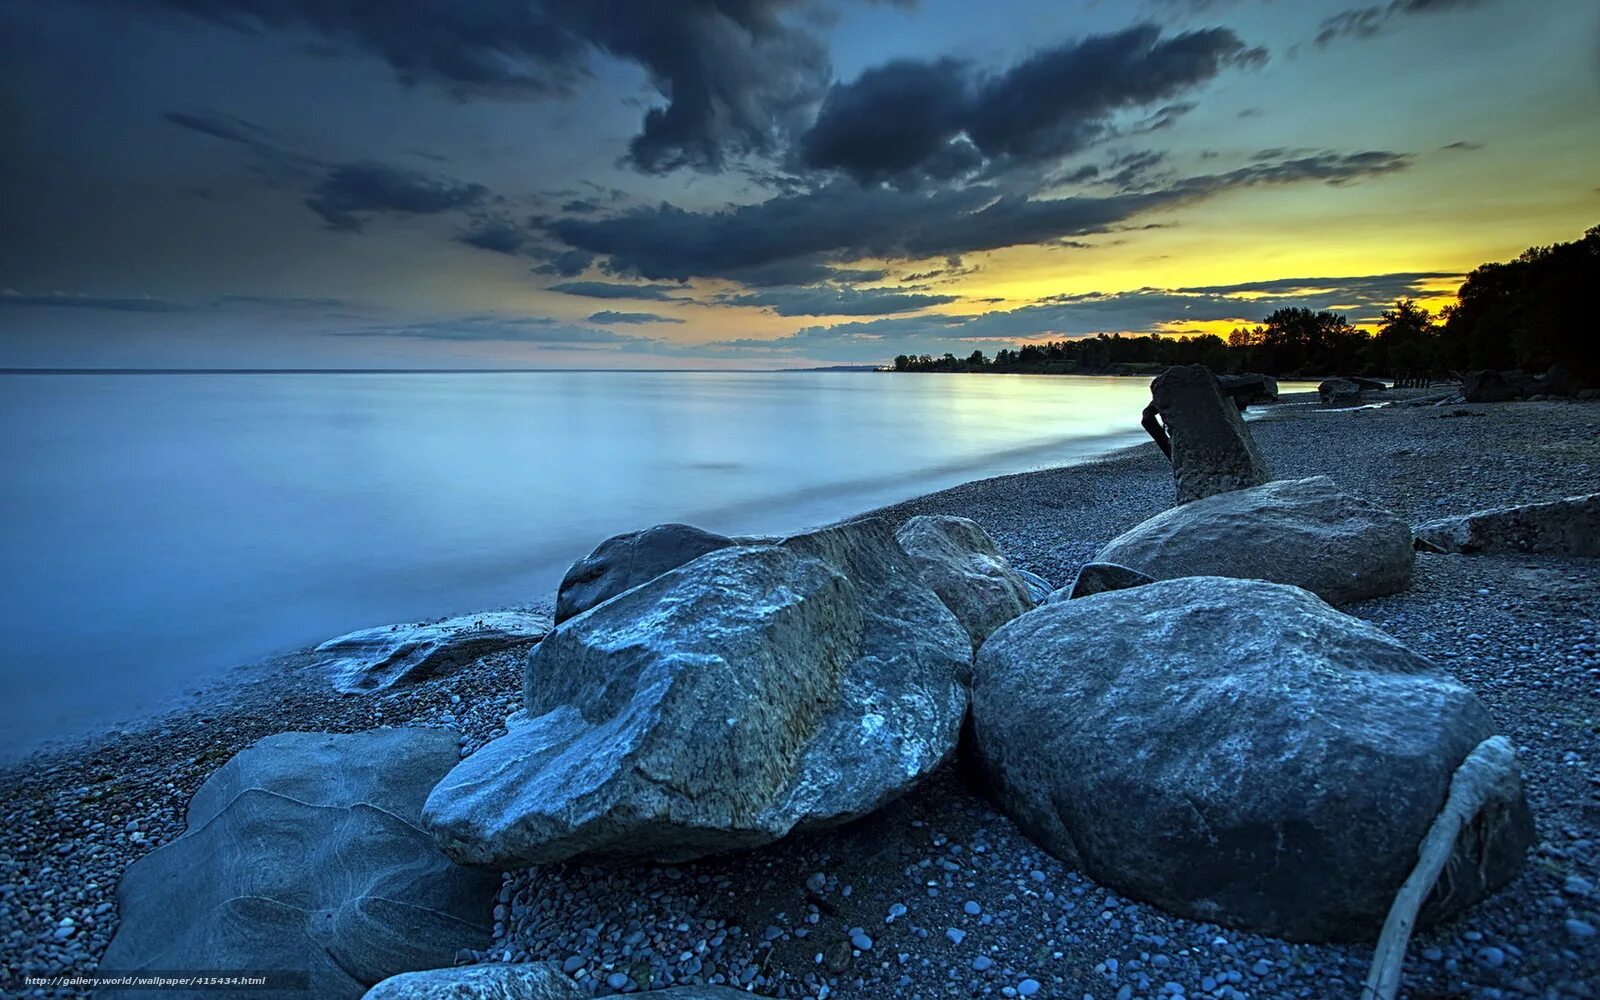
x: 1304, y: 532
x: 1569, y: 527
x: 375, y: 659
x: 1211, y: 448
x: 1236, y: 752
x: 718, y: 706
x: 623, y: 562
x: 958, y: 559
x: 304, y: 853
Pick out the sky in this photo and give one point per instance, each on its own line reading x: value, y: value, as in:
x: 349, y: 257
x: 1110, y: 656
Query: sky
x: 759, y: 183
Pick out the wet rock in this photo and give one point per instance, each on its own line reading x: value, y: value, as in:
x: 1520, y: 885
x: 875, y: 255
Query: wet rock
x: 961, y: 563
x: 1236, y: 752
x: 518, y: 981
x: 377, y: 658
x: 751, y: 692
x: 625, y: 561
x: 1304, y: 532
x: 304, y: 852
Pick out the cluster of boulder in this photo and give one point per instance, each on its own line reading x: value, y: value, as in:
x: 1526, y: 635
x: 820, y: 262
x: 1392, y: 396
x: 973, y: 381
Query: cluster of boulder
x: 1190, y: 721
x: 1347, y: 391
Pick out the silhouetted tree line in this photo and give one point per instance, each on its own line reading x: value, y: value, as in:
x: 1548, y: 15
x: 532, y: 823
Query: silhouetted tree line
x: 1532, y: 313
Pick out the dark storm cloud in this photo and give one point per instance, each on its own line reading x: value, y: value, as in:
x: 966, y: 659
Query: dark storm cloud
x: 826, y: 301
x: 1365, y: 22
x: 610, y: 317
x: 1384, y: 288
x: 496, y: 234
x: 618, y: 290
x: 563, y: 263
x: 515, y: 329
x: 844, y: 221
x: 910, y: 119
x: 732, y: 73
x: 350, y: 194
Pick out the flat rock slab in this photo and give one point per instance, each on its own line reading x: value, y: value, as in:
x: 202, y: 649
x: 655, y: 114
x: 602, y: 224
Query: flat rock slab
x: 1235, y: 752
x: 518, y: 981
x: 721, y: 705
x: 1569, y: 527
x: 1304, y: 532
x: 378, y: 658
x: 305, y: 852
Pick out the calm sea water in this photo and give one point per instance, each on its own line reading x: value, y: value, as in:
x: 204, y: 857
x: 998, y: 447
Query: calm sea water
x: 160, y: 529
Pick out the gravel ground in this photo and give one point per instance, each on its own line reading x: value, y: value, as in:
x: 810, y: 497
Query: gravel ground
x: 938, y: 895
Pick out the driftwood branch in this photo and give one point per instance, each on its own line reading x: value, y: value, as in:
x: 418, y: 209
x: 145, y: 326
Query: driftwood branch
x: 1487, y: 778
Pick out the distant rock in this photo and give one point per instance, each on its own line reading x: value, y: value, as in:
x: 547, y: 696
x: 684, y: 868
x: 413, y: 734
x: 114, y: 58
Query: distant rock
x: 1099, y: 577
x: 1304, y: 532
x: 1249, y: 387
x: 719, y: 706
x: 1211, y: 448
x: 624, y: 561
x: 378, y: 658
x: 1339, y: 392
x: 1236, y: 752
x: 304, y: 852
x: 958, y: 559
x: 1498, y: 387
x: 1368, y: 384
x: 1569, y: 527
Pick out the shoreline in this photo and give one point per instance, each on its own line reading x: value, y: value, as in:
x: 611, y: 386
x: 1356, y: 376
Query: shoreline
x: 1502, y: 624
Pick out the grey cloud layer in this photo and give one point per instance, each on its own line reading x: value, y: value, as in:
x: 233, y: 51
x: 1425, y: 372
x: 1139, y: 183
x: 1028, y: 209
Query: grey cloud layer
x: 911, y: 120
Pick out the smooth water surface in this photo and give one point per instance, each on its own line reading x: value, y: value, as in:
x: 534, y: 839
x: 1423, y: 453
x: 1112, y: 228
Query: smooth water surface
x: 159, y: 529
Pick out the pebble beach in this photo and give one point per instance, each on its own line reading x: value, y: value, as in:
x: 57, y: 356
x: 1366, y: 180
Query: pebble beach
x: 939, y: 895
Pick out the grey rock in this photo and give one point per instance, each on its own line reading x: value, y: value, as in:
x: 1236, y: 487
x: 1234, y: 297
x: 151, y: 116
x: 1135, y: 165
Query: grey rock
x: 518, y: 981
x: 1497, y: 387
x: 1099, y: 577
x: 625, y: 561
x: 1569, y: 527
x: 1304, y: 532
x: 378, y: 658
x: 1249, y: 387
x: 1236, y: 752
x: 961, y: 563
x: 304, y: 852
x: 1212, y: 450
x: 1039, y: 589
x: 719, y: 706
x: 1339, y: 392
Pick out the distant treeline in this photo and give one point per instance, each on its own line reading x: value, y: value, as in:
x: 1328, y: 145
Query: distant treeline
x: 1532, y: 313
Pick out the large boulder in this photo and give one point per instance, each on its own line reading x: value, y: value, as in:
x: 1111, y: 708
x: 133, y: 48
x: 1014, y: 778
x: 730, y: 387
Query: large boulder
x: 958, y: 559
x: 1212, y: 450
x: 378, y: 658
x: 517, y: 981
x: 1491, y: 386
x: 1304, y: 532
x: 1236, y: 752
x: 1569, y: 527
x: 1338, y: 392
x: 751, y: 692
x: 623, y: 562
x: 304, y: 853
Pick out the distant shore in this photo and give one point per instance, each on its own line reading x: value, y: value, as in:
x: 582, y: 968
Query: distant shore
x: 1495, y: 622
